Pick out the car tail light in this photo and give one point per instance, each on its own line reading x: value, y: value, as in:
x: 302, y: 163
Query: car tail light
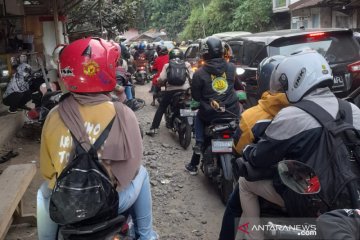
x: 318, y: 34
x: 226, y: 136
x: 354, y: 67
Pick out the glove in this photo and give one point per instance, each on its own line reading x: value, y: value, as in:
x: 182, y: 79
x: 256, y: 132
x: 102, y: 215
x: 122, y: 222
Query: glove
x: 194, y: 104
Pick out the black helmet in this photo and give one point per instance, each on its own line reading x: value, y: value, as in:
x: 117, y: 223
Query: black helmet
x: 211, y: 47
x: 264, y: 72
x: 176, y: 53
x: 162, y: 50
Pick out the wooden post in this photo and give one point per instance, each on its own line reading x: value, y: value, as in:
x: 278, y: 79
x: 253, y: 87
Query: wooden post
x: 56, y: 22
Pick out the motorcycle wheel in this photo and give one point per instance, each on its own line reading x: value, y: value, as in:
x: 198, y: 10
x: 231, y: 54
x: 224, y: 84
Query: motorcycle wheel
x: 185, y: 134
x: 226, y: 188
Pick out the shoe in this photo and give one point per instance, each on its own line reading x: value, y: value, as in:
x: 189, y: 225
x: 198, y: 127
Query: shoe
x: 193, y: 170
x: 197, y: 148
x: 152, y: 132
x: 12, y: 111
x: 152, y: 104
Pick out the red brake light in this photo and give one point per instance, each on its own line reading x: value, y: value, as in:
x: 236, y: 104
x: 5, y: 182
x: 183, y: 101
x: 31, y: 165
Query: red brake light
x: 354, y: 67
x: 318, y: 34
x: 226, y: 136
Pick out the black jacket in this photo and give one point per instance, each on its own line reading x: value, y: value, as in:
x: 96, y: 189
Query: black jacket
x: 341, y: 224
x: 215, y: 81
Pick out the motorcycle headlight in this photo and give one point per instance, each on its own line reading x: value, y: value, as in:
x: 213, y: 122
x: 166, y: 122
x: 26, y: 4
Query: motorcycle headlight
x: 5, y: 73
x: 240, y: 71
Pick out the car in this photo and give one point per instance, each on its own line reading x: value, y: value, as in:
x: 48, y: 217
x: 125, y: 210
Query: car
x: 338, y: 46
x: 193, y: 56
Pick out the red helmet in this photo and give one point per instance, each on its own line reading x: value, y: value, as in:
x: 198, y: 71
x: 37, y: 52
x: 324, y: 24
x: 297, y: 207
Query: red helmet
x: 89, y: 65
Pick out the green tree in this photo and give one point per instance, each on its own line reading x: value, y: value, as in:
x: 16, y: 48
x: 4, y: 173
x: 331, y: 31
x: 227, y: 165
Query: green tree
x: 253, y: 15
x: 114, y: 16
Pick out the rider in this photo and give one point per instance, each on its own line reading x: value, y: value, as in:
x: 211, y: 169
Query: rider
x: 174, y: 55
x: 253, y: 123
x: 87, y: 68
x: 18, y: 93
x: 150, y: 53
x: 293, y: 133
x: 160, y: 61
x: 213, y: 81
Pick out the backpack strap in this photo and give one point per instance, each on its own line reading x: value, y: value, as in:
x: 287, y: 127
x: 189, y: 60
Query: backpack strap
x: 345, y: 111
x: 322, y: 116
x: 101, y: 139
x: 98, y: 143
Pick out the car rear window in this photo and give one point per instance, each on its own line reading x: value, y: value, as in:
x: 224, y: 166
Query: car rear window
x: 335, y: 49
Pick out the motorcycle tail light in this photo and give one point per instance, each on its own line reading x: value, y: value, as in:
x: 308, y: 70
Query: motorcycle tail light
x: 142, y: 68
x: 354, y: 67
x: 226, y: 136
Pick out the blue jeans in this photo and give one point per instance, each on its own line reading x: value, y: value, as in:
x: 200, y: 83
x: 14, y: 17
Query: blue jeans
x: 199, y: 129
x: 136, y: 197
x: 128, y: 92
x: 232, y: 212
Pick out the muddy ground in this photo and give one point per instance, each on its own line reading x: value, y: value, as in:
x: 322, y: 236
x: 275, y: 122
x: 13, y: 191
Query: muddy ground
x: 184, y: 206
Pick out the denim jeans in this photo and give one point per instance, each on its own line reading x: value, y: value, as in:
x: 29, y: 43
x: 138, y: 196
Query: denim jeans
x: 128, y: 92
x: 199, y: 129
x: 136, y: 197
x: 232, y: 212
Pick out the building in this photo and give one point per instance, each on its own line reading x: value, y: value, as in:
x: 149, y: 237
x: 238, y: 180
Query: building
x: 320, y: 13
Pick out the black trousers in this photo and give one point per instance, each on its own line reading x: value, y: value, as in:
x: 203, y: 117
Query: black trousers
x: 17, y: 99
x: 165, y: 102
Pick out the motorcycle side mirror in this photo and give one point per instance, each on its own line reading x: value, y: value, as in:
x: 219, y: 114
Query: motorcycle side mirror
x: 299, y: 177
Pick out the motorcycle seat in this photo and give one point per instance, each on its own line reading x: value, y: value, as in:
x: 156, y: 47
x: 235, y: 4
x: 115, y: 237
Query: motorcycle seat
x: 222, y: 120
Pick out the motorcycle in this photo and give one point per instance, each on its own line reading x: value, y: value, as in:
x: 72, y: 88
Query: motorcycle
x: 141, y: 72
x: 179, y: 117
x: 217, y: 155
x: 119, y: 228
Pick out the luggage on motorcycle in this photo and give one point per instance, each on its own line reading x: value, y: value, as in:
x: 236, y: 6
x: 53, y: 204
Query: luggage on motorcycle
x: 84, y: 193
x: 177, y: 72
x: 336, y: 162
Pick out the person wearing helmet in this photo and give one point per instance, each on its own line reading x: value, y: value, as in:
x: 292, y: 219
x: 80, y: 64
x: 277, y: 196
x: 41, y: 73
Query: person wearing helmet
x: 139, y: 51
x: 213, y: 81
x: 253, y: 123
x: 176, y: 57
x: 18, y: 92
x: 87, y: 68
x: 157, y: 67
x: 150, y: 53
x: 304, y: 76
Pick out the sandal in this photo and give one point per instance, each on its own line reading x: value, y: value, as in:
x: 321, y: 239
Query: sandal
x: 152, y: 132
x: 152, y: 104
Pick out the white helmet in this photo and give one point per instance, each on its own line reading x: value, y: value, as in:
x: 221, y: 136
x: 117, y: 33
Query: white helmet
x: 300, y: 73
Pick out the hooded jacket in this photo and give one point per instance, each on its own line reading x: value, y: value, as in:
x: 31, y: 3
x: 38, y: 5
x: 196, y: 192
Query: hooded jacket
x: 255, y: 120
x: 159, y: 63
x: 215, y: 81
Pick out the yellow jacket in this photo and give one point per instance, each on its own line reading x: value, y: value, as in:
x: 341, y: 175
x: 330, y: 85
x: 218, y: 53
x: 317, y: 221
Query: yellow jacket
x: 254, y: 120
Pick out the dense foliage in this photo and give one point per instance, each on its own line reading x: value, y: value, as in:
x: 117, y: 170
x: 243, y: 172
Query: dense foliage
x: 114, y: 16
x: 185, y: 19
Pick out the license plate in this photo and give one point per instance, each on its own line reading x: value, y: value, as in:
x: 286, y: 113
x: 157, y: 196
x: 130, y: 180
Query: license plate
x: 187, y: 113
x: 221, y: 146
x: 339, y: 81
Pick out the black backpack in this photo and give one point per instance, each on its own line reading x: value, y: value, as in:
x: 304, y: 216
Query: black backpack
x: 336, y: 162
x: 84, y: 193
x: 177, y: 73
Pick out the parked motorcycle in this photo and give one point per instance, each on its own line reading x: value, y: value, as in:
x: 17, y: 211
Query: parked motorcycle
x: 179, y: 117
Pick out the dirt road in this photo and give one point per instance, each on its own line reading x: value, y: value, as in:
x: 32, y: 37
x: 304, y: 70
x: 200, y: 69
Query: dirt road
x: 184, y: 206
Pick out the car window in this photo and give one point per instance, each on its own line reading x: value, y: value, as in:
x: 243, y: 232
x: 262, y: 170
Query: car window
x: 253, y: 51
x: 191, y: 52
x: 332, y: 48
x: 237, y: 53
